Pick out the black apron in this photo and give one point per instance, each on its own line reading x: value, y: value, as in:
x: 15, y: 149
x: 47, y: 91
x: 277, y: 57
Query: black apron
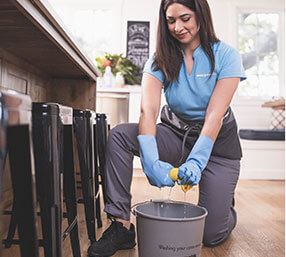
x: 227, y: 144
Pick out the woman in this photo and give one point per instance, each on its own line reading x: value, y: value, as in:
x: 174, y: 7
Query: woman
x: 199, y: 75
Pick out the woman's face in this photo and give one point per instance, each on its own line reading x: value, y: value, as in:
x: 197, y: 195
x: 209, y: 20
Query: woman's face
x: 182, y: 23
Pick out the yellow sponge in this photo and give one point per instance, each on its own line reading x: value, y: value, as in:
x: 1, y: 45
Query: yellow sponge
x: 174, y: 176
x: 186, y: 188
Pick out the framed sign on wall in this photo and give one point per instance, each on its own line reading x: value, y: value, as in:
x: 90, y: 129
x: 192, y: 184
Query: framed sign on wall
x: 138, y: 36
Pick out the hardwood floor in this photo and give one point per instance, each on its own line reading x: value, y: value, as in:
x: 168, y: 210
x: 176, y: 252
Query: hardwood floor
x: 259, y: 232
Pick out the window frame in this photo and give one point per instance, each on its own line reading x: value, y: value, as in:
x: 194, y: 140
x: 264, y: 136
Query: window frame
x: 281, y: 45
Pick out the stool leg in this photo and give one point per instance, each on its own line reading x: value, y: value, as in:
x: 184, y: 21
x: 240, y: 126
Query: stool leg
x: 22, y: 176
x: 70, y: 188
x: 3, y: 154
x: 98, y: 212
x: 101, y: 137
x: 83, y: 145
x: 12, y: 227
x: 45, y: 137
x: 13, y: 222
x: 96, y: 180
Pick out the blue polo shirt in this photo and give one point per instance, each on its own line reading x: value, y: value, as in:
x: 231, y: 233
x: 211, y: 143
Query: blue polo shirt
x: 189, y: 96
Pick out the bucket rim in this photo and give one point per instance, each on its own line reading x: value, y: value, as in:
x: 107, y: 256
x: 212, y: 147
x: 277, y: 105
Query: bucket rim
x: 137, y: 213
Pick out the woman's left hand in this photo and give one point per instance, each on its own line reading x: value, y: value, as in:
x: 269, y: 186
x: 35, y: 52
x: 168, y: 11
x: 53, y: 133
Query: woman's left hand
x: 190, y: 171
x: 189, y: 174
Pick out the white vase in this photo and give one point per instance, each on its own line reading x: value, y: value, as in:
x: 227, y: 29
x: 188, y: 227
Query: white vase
x: 119, y: 80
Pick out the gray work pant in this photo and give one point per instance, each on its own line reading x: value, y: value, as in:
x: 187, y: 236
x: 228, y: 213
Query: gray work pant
x: 216, y: 187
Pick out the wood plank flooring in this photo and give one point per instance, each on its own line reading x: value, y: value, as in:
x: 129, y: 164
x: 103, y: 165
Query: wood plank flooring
x: 259, y: 232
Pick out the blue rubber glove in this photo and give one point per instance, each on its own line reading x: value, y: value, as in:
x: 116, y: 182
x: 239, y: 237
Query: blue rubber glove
x: 190, y: 172
x: 156, y: 171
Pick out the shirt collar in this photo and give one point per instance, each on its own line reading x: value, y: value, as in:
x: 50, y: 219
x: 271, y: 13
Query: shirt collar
x: 196, y: 52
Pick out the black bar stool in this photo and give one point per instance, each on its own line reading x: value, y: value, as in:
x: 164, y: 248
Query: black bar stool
x: 3, y: 127
x: 83, y: 128
x: 3, y: 131
x: 97, y: 180
x: 53, y: 129
x: 101, y: 129
x: 52, y: 134
x: 96, y: 172
x: 21, y: 158
x: 47, y: 146
x: 69, y: 181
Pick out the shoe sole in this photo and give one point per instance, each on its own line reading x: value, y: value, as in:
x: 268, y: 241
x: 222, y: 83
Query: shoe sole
x: 122, y: 247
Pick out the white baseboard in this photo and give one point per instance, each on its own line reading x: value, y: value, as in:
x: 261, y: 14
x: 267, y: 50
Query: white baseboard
x: 263, y: 159
x: 273, y: 174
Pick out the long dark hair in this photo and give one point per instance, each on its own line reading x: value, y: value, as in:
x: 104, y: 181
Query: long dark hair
x: 168, y: 56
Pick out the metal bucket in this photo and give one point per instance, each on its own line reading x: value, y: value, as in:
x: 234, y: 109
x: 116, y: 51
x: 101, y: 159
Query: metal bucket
x: 169, y: 228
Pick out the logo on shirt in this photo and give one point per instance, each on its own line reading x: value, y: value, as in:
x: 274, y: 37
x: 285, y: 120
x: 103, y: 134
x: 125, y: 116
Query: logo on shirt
x: 203, y: 75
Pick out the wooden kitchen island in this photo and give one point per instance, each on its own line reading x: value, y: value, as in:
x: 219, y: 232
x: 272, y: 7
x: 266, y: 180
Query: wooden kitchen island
x: 39, y: 58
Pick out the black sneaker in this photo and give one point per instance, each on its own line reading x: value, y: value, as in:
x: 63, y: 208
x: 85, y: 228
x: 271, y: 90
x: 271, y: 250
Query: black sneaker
x: 115, y: 238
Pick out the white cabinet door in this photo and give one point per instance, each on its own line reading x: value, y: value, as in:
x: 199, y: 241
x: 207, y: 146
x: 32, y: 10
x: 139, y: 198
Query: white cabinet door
x: 134, y: 106
x: 114, y: 105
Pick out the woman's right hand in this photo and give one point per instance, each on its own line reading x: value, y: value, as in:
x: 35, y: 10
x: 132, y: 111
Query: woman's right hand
x: 159, y: 175
x: 156, y: 171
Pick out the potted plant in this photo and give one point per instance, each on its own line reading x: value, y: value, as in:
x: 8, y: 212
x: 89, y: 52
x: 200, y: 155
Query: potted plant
x: 118, y: 63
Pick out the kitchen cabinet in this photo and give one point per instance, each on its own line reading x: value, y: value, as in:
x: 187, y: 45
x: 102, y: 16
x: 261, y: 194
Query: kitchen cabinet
x: 121, y: 105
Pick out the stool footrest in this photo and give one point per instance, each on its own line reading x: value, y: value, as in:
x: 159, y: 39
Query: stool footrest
x: 69, y: 229
x: 80, y: 201
x: 97, y: 194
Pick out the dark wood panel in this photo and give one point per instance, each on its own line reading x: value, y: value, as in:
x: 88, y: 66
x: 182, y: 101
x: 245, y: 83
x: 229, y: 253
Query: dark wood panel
x: 24, y: 39
x: 75, y: 93
x: 16, y: 78
x: 17, y: 83
x: 12, y: 20
x: 21, y: 63
x: 23, y: 77
x: 6, y: 5
x: 38, y: 93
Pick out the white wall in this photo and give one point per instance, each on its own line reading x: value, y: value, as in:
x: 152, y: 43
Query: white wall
x: 146, y: 10
x: 223, y: 12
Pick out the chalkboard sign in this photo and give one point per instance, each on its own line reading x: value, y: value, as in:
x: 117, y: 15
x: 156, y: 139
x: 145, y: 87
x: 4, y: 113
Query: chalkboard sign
x: 138, y: 33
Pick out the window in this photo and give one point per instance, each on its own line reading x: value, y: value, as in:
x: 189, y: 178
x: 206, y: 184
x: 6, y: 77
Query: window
x: 95, y: 24
x: 258, y: 43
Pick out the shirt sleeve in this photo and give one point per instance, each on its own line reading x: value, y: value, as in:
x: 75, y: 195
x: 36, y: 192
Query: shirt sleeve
x: 149, y: 69
x: 231, y: 65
